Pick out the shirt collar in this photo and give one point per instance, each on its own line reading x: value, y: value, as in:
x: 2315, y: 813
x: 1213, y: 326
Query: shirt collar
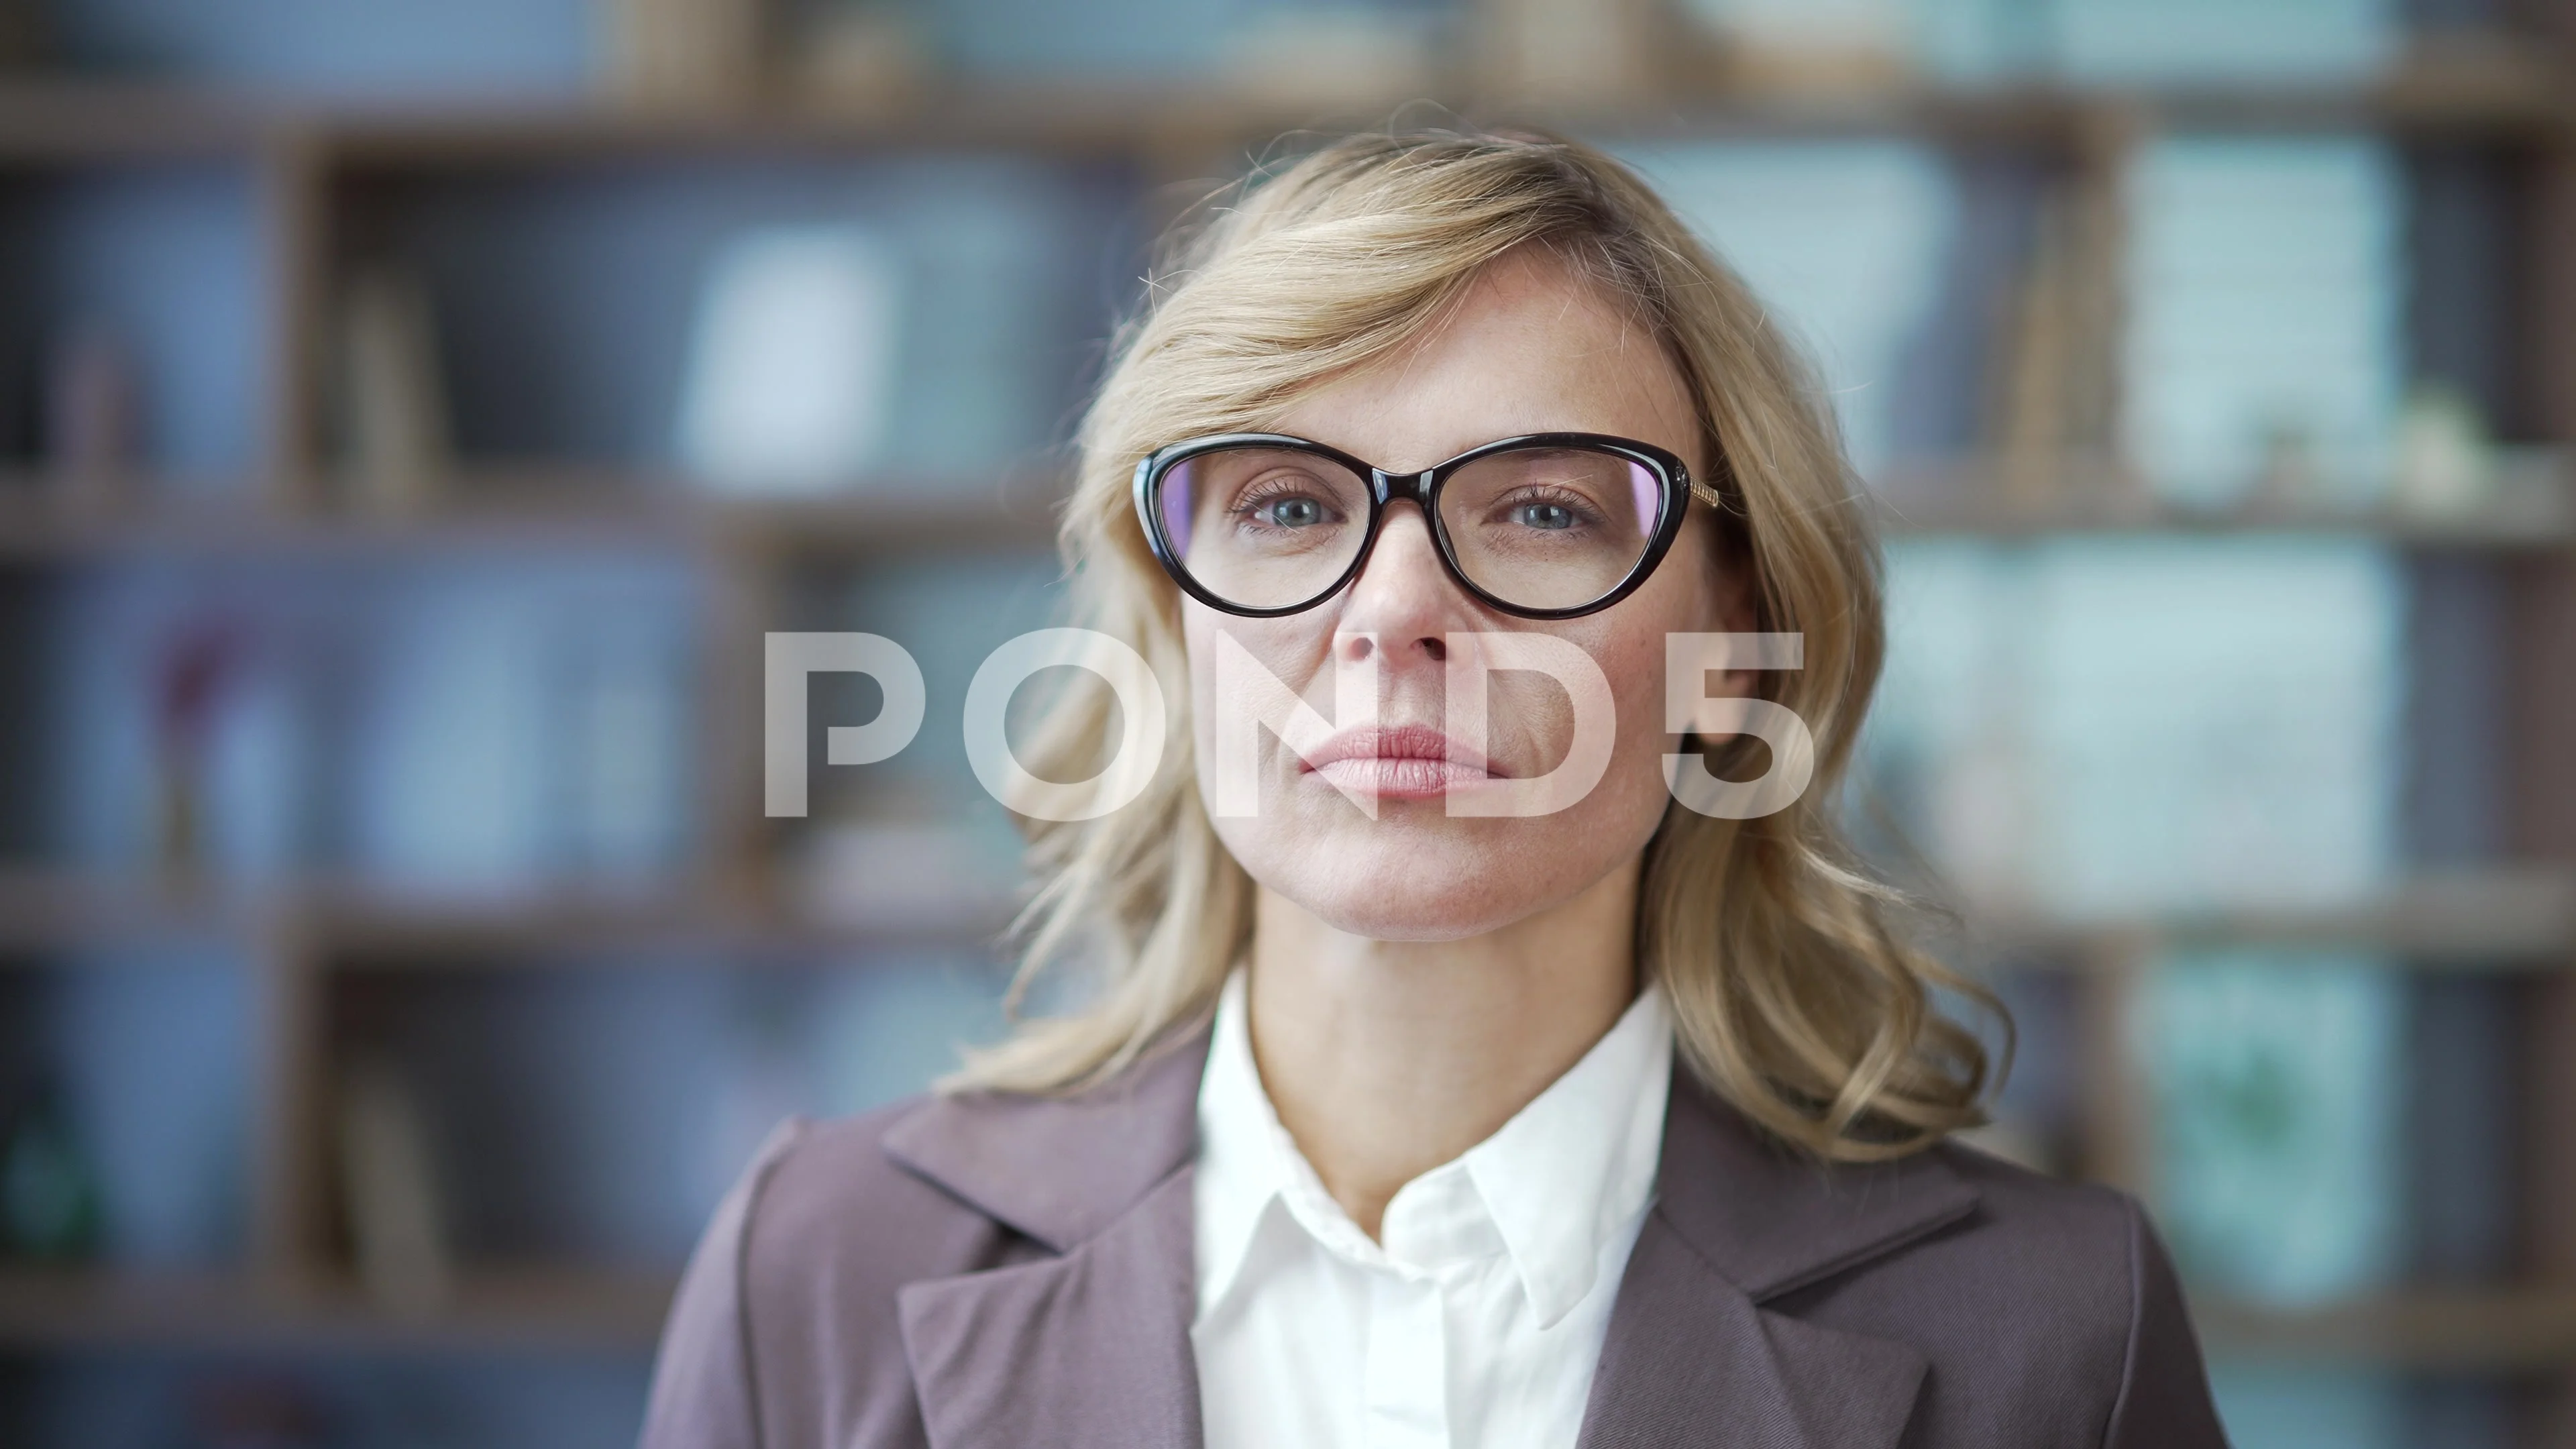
x: 1575, y: 1168
x: 1241, y: 1171
x: 1565, y: 1176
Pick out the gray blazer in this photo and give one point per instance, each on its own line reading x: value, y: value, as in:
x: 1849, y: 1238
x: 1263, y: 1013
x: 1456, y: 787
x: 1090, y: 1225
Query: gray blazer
x: 997, y: 1271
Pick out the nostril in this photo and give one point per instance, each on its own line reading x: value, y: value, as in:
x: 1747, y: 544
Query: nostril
x: 1436, y: 647
x: 1358, y: 647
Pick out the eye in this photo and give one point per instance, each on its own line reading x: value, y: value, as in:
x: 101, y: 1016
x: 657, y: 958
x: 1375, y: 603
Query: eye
x: 1543, y: 515
x: 1291, y: 512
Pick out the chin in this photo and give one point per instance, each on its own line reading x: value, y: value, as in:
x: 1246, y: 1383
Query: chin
x: 1415, y: 875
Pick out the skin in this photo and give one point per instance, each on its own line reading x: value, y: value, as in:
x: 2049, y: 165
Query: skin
x: 1417, y: 979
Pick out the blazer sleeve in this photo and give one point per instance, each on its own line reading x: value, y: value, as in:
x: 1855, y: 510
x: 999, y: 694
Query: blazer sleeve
x: 2164, y: 1400
x: 705, y: 1393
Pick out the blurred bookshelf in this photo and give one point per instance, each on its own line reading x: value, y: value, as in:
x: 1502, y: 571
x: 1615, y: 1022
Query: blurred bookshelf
x: 553, y: 508
x: 534, y: 1310
x: 307, y: 443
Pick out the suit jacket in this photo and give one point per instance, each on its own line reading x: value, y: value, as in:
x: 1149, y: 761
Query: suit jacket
x: 983, y: 1271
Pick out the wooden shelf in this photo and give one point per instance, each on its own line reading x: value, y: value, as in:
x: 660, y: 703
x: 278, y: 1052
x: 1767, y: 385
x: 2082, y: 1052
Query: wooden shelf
x: 549, y: 509
x: 363, y: 930
x: 516, y: 1309
x: 2533, y: 508
x: 2510, y: 920
x: 324, y: 172
x: 2502, y: 1331
x: 44, y: 911
x: 73, y: 122
x: 2492, y: 86
x: 346, y: 926
x: 603, y: 508
x: 2481, y: 1331
x: 2504, y: 920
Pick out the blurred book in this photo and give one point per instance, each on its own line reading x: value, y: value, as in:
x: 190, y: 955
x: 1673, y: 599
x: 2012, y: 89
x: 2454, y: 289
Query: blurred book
x: 1154, y: 39
x: 450, y: 735
x: 2462, y: 1125
x: 151, y: 1047
x: 1843, y: 242
x: 2239, y: 40
x: 2319, y: 1406
x: 519, y: 729
x: 2445, y: 463
x: 51, y: 1210
x: 623, y: 772
x: 1808, y: 44
x: 2118, y: 42
x: 2279, y: 1091
x: 93, y: 417
x: 1571, y: 52
x: 2265, y: 355
x: 1332, y: 54
x: 935, y: 878
x: 2214, y: 725
x: 683, y: 54
x: 2116, y: 728
x: 389, y: 1181
x: 394, y: 418
x: 858, y: 55
x: 2052, y: 397
x: 792, y: 368
x: 998, y: 310
x: 192, y: 681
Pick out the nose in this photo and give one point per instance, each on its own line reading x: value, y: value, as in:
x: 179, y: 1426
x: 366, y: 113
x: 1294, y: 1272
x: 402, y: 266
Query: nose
x: 1404, y: 598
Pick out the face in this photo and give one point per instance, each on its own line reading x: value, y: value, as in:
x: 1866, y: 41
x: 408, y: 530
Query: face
x: 1530, y: 348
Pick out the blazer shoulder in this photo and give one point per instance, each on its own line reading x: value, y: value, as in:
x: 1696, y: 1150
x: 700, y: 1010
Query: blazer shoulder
x: 786, y: 1330
x: 2064, y: 1250
x: 838, y: 1215
x: 2013, y: 1199
x: 2069, y: 1282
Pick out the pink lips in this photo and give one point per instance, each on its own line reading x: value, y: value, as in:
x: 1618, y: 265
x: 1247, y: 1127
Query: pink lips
x: 1405, y: 762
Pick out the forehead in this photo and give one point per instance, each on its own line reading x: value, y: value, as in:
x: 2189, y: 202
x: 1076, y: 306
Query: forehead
x: 1530, y: 346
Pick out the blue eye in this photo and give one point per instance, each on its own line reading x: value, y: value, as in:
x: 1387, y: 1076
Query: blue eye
x: 1543, y: 515
x: 1295, y: 512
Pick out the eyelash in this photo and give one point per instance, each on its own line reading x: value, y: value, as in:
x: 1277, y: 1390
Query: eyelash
x: 1564, y: 497
x: 1249, y: 501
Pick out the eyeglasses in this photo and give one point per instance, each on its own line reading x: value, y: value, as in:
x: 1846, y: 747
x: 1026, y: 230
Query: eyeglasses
x: 1546, y: 526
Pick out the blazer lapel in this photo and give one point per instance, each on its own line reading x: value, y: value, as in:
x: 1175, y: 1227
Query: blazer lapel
x: 1090, y: 1348
x: 1694, y: 1355
x: 1691, y: 1360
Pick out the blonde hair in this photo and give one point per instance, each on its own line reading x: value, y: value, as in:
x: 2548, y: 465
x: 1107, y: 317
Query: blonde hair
x: 1793, y: 998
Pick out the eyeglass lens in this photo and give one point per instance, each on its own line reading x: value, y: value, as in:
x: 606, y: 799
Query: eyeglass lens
x: 1538, y: 527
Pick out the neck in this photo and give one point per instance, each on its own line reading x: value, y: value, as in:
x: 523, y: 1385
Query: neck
x: 1385, y: 1059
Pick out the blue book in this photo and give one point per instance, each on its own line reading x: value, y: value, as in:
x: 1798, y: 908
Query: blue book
x: 2110, y: 729
x: 2265, y: 347
x: 1842, y: 241
x: 2279, y: 1089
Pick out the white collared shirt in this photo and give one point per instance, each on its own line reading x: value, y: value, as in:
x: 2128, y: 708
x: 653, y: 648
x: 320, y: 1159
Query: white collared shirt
x: 1477, y: 1323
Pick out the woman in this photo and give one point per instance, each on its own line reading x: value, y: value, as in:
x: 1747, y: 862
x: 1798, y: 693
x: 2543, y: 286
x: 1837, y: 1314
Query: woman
x: 1407, y: 1112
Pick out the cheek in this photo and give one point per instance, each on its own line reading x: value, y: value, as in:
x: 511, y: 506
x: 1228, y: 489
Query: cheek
x: 1630, y: 647
x: 1635, y: 664
x: 1632, y: 656
x: 1294, y: 651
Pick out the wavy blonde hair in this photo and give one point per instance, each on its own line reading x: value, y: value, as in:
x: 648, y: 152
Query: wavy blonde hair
x: 1793, y: 998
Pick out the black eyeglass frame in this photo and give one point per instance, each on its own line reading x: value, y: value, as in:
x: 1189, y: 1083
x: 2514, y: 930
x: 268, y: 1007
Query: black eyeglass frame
x: 1423, y: 489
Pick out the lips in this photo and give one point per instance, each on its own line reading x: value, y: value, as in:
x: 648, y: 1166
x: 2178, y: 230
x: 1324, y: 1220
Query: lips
x: 1403, y: 762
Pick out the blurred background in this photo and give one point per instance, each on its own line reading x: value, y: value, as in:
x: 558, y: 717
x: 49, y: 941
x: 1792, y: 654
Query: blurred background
x: 412, y: 413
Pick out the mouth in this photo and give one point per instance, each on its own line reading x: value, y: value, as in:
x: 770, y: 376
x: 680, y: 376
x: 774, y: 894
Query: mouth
x: 1403, y: 762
